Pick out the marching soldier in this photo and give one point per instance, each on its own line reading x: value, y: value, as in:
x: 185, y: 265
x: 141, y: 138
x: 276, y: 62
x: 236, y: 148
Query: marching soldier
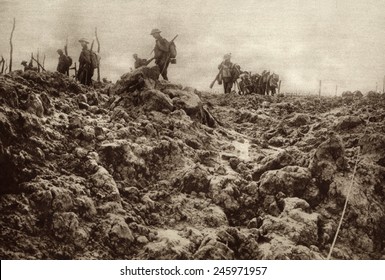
x: 63, y: 64
x: 86, y: 70
x: 161, y: 51
x: 226, y: 68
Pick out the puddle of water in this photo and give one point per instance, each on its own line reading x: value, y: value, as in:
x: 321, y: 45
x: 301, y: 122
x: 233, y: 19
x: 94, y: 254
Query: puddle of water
x: 242, y: 149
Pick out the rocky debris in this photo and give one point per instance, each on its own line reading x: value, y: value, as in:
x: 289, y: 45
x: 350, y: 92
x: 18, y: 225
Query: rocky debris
x: 372, y: 145
x: 328, y: 159
x: 358, y: 94
x: 143, y: 77
x: 299, y: 120
x: 142, y: 88
x: 292, y: 181
x: 147, y: 169
x: 277, y: 161
x: 349, y: 123
x: 155, y: 100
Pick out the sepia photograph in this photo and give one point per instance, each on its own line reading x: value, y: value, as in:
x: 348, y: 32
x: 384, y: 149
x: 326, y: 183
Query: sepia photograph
x: 192, y: 130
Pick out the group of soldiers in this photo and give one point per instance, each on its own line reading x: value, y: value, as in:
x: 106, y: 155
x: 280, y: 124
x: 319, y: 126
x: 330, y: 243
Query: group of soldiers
x: 229, y: 73
x: 164, y: 54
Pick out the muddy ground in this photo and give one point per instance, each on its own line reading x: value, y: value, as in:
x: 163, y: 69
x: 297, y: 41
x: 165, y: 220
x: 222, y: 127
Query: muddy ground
x: 143, y: 169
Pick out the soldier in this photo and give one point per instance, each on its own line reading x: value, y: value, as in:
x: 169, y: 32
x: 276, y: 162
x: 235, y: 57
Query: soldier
x: 86, y: 70
x: 63, y: 65
x: 139, y: 61
x: 245, y: 84
x: 161, y: 51
x: 28, y: 66
x: 226, y: 68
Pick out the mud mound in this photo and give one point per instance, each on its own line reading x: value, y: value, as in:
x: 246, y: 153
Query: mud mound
x: 144, y: 169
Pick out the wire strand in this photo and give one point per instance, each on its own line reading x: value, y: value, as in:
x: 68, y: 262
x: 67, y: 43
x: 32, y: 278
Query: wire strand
x: 345, y: 206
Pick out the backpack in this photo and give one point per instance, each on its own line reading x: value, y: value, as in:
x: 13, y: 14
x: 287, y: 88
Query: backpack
x: 68, y: 61
x: 172, y: 49
x: 235, y: 71
x: 94, y: 59
x: 274, y: 79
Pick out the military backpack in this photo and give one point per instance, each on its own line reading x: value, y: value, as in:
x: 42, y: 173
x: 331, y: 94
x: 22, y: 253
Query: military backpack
x: 172, y: 49
x: 68, y: 61
x: 94, y: 59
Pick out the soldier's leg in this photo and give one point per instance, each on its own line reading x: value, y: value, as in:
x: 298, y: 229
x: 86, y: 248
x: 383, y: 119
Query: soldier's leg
x: 89, y: 76
x: 229, y: 86
x: 164, y: 74
x: 81, y: 77
x: 163, y: 68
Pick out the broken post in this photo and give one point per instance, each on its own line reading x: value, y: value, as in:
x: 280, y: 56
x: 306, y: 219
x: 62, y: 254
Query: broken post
x: 97, y: 41
x: 10, y: 42
x: 383, y: 85
x: 66, y: 53
x: 38, y: 61
x: 2, y: 62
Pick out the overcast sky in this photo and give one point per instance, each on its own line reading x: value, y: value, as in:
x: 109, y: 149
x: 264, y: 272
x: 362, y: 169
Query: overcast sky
x: 341, y: 42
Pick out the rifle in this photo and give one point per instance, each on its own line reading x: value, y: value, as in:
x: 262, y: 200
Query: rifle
x: 38, y: 64
x: 65, y: 47
x: 216, y: 77
x: 148, y: 61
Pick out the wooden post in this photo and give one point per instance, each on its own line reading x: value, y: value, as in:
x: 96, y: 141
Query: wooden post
x: 2, y: 62
x: 38, y: 61
x: 31, y: 61
x: 66, y: 53
x: 97, y: 41
x: 10, y: 43
x: 376, y: 87
x: 336, y: 90
x: 383, y: 85
x: 320, y: 86
x: 43, y: 60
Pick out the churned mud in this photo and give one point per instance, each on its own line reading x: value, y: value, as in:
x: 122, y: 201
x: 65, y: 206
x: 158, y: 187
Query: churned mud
x: 143, y: 169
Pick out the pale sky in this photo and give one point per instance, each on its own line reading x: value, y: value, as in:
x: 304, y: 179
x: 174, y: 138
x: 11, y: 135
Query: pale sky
x: 340, y: 42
